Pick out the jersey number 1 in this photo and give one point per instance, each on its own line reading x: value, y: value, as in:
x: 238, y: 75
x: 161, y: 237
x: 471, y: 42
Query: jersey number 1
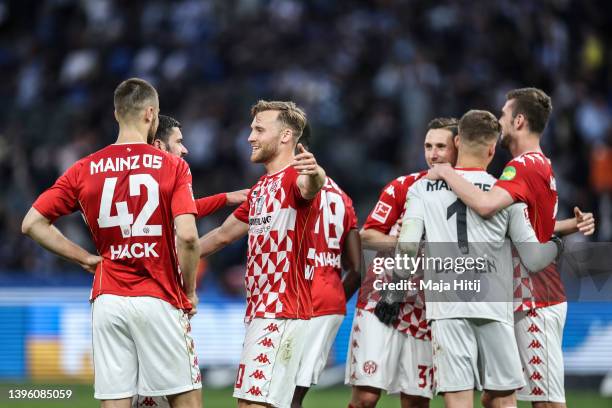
x: 124, y: 219
x: 458, y: 208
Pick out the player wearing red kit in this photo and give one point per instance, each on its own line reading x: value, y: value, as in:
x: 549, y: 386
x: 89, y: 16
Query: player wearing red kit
x: 138, y: 204
x: 337, y: 247
x: 279, y: 217
x: 394, y: 358
x: 529, y: 178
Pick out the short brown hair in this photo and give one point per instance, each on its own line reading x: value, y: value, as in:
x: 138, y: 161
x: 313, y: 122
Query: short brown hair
x: 534, y: 104
x: 289, y: 114
x: 451, y: 124
x: 133, y: 95
x: 478, y: 127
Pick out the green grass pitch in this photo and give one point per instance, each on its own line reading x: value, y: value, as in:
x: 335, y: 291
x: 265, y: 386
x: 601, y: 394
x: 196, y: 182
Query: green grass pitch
x: 336, y: 397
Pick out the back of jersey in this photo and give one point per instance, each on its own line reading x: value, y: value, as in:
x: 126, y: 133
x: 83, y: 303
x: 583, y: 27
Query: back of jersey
x: 129, y: 195
x: 467, y: 264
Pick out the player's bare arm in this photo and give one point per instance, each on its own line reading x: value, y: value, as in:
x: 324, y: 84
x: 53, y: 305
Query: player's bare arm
x: 485, y: 203
x: 352, y: 261
x: 236, y: 197
x: 582, y: 222
x: 188, y: 254
x: 40, y: 229
x: 311, y: 176
x: 376, y: 240
x: 231, y: 230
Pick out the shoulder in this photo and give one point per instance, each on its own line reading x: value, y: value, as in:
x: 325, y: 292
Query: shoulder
x: 527, y: 163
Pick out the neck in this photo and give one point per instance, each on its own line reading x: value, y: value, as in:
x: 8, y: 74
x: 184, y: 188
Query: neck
x: 466, y: 160
x: 527, y: 143
x: 279, y: 162
x: 131, y: 134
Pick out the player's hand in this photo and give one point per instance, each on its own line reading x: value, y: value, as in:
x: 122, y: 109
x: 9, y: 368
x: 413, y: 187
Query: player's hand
x: 193, y: 298
x: 585, y: 222
x: 387, y: 312
x: 304, y: 162
x: 236, y: 197
x: 90, y: 263
x: 436, y: 171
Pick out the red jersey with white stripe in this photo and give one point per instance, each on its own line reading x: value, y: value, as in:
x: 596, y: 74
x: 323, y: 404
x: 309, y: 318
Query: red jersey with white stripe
x: 129, y: 195
x: 337, y: 217
x: 281, y: 248
x: 386, y: 217
x: 529, y: 178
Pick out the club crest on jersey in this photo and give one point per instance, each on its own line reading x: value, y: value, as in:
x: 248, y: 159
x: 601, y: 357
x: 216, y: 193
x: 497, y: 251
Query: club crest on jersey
x: 509, y: 173
x: 381, y: 212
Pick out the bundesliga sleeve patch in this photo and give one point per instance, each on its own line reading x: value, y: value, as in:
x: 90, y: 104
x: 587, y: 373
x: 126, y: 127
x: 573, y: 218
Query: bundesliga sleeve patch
x: 509, y: 173
x: 381, y: 212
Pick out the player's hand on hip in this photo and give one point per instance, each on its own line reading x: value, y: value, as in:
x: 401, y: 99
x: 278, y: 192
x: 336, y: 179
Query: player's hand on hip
x: 387, y: 312
x: 585, y: 222
x: 193, y: 298
x: 90, y: 263
x: 236, y: 197
x: 304, y: 162
x: 436, y: 171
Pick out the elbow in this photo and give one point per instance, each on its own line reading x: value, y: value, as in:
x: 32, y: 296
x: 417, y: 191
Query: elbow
x: 26, y: 226
x: 486, y: 210
x: 188, y: 239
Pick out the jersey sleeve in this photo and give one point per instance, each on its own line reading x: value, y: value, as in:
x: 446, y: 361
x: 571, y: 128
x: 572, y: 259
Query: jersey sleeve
x: 208, y: 205
x: 61, y: 198
x: 350, y: 218
x: 514, y: 181
x: 415, y: 207
x: 519, y: 227
x: 387, y: 210
x: 182, y: 196
x: 242, y: 212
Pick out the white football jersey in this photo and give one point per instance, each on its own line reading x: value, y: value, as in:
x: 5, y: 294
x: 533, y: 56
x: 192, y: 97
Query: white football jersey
x: 455, y: 234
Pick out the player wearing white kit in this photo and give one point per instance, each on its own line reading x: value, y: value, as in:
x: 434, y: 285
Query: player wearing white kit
x: 395, y: 358
x: 279, y: 217
x: 337, y: 247
x: 138, y: 204
x: 529, y: 178
x: 473, y: 341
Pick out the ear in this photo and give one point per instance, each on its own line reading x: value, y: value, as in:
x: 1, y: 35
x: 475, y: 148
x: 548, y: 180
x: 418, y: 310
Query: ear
x: 519, y: 121
x: 158, y: 144
x: 149, y: 114
x: 492, y: 149
x: 116, y: 115
x: 286, y: 135
x: 457, y: 141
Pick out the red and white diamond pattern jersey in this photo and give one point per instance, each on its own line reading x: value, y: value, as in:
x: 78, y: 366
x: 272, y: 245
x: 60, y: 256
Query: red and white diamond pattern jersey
x: 281, y: 247
x: 386, y: 217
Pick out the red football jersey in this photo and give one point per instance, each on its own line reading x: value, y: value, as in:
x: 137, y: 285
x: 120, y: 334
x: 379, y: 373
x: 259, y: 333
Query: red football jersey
x: 529, y: 178
x: 337, y: 217
x: 281, y: 247
x: 386, y: 217
x: 129, y: 195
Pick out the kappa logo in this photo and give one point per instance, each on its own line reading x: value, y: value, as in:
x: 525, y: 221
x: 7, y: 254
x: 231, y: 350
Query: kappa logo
x: 537, y: 391
x: 535, y: 344
x: 258, y: 375
x: 356, y: 328
x: 266, y: 342
x: 532, y: 313
x: 272, y: 327
x: 262, y: 358
x: 254, y: 391
x: 354, y: 344
x: 148, y: 402
x: 370, y: 367
x: 533, y: 328
x: 536, y: 376
x: 381, y: 212
x: 535, y: 360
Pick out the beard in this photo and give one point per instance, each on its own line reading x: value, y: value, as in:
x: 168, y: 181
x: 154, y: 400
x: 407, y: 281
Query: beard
x: 264, y: 154
x: 505, y: 140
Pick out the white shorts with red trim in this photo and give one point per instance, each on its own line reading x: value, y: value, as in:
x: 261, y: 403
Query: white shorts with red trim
x: 539, y: 334
x: 270, y: 359
x: 382, y: 357
x: 141, y: 345
x: 321, y: 334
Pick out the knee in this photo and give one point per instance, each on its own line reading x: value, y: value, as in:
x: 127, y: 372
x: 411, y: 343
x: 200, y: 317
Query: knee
x: 364, y: 399
x: 486, y: 400
x: 413, y: 401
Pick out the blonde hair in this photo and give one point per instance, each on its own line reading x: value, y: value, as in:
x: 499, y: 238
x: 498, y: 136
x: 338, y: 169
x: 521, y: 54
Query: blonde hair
x: 289, y: 114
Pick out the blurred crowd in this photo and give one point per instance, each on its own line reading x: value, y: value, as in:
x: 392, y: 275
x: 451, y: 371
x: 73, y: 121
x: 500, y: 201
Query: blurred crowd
x: 370, y: 74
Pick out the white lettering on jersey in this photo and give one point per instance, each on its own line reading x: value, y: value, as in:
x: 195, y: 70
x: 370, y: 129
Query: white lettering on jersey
x: 115, y: 164
x: 136, y: 250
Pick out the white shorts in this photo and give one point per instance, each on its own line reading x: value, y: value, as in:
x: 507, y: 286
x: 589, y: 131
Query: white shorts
x: 382, y: 357
x: 475, y: 353
x: 141, y: 345
x: 539, y: 334
x: 322, y: 331
x: 270, y: 359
